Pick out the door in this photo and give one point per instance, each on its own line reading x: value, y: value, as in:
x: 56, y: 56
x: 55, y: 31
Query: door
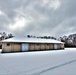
x: 55, y: 46
x: 42, y: 46
x: 47, y: 46
x: 31, y: 47
x: 37, y: 46
x: 51, y: 46
x: 25, y: 47
x: 16, y: 47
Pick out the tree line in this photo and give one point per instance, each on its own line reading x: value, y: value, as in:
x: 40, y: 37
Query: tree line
x: 4, y: 35
x: 69, y: 41
x: 42, y: 37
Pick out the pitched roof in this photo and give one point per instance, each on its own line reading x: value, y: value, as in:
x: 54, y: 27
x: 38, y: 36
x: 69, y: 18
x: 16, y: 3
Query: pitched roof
x: 29, y: 40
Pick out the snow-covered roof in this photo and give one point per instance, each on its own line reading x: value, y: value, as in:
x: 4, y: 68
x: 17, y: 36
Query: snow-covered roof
x: 29, y: 40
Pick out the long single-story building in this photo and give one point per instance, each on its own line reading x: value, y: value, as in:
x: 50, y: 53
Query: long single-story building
x: 30, y: 44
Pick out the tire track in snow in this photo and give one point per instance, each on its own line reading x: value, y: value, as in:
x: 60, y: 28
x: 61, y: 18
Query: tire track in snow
x: 54, y: 67
x: 43, y: 71
x: 31, y: 69
x: 5, y: 70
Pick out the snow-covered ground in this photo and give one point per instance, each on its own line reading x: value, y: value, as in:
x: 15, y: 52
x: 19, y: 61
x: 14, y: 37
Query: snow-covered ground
x: 61, y: 62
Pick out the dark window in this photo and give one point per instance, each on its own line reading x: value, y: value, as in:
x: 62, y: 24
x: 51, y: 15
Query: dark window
x: 8, y: 44
x: 37, y: 44
x: 47, y: 44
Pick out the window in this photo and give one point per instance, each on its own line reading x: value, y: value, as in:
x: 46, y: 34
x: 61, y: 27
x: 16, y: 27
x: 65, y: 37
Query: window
x: 47, y: 44
x: 37, y: 44
x: 8, y: 44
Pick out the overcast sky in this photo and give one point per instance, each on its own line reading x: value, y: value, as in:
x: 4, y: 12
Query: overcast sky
x: 38, y: 17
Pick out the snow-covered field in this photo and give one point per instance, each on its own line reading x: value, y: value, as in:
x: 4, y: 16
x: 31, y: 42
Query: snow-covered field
x: 61, y: 62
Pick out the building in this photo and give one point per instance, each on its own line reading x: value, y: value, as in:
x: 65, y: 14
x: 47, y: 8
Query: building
x: 74, y: 41
x: 30, y: 44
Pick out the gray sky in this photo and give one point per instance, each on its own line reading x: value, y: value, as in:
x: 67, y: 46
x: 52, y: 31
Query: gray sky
x: 38, y: 17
